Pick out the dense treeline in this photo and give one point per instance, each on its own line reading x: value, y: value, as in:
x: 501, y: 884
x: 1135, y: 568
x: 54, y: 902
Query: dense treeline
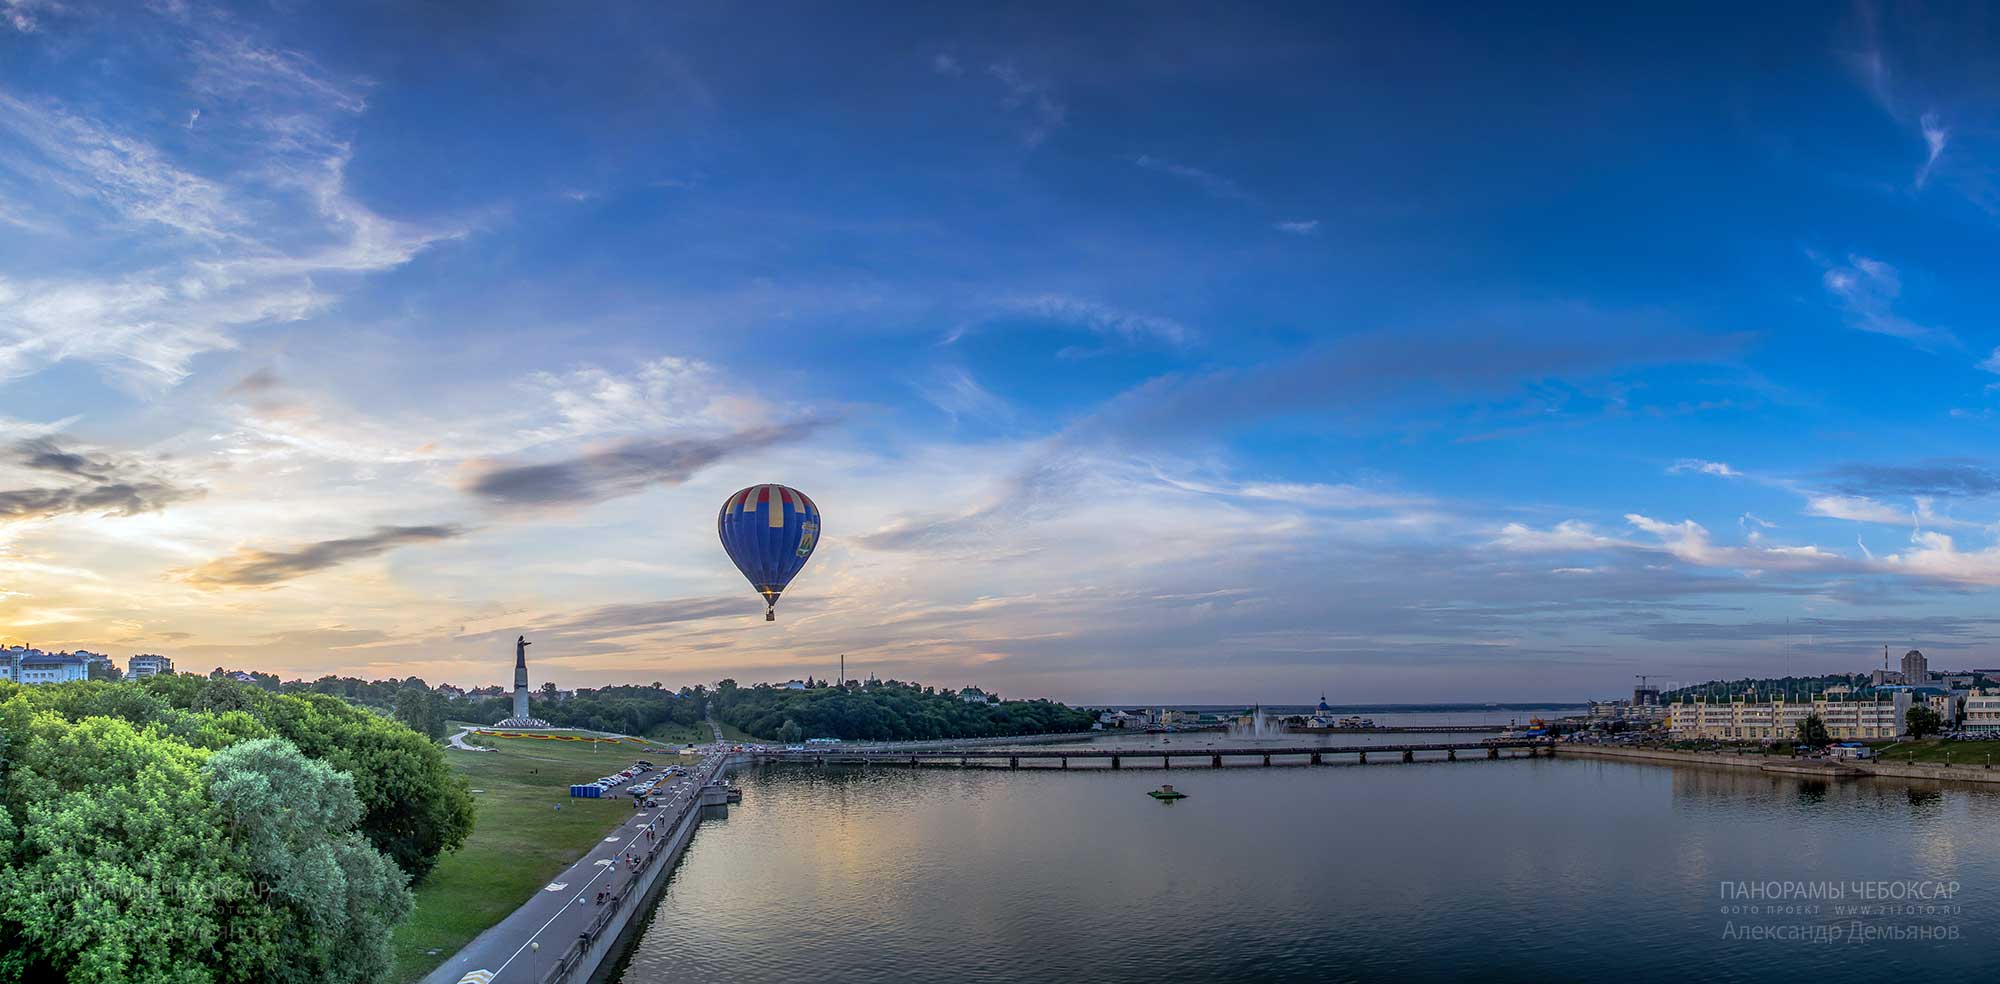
x: 183, y: 829
x: 885, y: 711
x: 632, y: 710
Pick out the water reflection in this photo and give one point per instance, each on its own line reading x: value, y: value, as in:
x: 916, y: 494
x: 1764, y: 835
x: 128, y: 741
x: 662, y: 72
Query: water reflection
x: 1392, y: 872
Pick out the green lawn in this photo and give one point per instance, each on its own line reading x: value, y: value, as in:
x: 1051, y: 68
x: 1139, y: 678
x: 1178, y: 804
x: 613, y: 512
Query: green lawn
x: 1932, y: 750
x: 519, y: 842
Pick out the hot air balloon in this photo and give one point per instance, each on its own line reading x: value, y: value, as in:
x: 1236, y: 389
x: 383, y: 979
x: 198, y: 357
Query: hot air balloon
x: 769, y: 531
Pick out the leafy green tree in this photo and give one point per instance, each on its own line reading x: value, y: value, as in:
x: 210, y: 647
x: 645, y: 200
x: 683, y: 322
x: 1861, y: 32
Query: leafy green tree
x: 422, y: 711
x: 292, y: 820
x: 1922, y: 722
x: 1812, y: 732
x: 115, y: 863
x: 791, y: 733
x: 415, y: 807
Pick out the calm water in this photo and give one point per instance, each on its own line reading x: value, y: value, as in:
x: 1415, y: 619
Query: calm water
x: 1525, y: 869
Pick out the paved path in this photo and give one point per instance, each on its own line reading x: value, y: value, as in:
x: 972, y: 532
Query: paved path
x: 524, y: 947
x: 458, y: 741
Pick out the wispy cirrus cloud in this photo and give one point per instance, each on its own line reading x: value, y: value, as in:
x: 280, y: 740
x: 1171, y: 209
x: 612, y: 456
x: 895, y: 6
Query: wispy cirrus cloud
x: 1936, y: 136
x: 1095, y: 316
x: 1858, y: 509
x: 1720, y: 469
x: 1867, y: 290
x: 257, y: 567
x: 1032, y: 97
x: 1208, y: 181
x: 232, y: 231
x: 22, y: 15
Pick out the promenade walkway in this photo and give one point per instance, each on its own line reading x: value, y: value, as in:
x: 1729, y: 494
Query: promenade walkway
x: 538, y: 941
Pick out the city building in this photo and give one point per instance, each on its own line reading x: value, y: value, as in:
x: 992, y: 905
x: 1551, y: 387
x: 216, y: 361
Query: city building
x: 21, y: 664
x: 1982, y: 712
x: 148, y: 664
x: 792, y: 685
x: 1916, y: 669
x: 974, y: 695
x: 1778, y: 720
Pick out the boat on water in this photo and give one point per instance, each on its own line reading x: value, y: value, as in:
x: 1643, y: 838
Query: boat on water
x: 1167, y: 793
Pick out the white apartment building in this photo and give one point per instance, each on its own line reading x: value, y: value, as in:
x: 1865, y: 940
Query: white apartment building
x: 23, y: 665
x: 147, y: 664
x: 1778, y: 720
x: 1982, y: 712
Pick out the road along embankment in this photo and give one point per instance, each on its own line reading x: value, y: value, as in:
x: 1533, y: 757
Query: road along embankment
x: 1871, y: 768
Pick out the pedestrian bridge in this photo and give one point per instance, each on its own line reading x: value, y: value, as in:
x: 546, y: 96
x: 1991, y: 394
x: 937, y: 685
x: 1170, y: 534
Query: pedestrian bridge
x: 1162, y: 757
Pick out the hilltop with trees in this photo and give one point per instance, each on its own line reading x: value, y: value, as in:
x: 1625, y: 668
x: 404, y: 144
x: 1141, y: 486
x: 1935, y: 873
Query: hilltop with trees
x: 889, y: 710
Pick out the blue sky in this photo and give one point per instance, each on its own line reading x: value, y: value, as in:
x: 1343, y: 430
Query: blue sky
x: 1139, y: 353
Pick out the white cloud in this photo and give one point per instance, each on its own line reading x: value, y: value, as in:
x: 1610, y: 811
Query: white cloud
x: 1104, y: 319
x: 1935, y: 138
x: 216, y: 253
x: 21, y: 14
x: 1298, y: 227
x: 1866, y: 290
x: 1033, y: 97
x: 1214, y: 184
x: 1934, y: 554
x: 1568, y: 535
x: 1689, y: 542
x: 1858, y: 509
x: 955, y: 391
x: 1719, y: 469
x: 944, y: 64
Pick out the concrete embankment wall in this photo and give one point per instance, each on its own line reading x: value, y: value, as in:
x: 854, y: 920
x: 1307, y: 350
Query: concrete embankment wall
x: 1872, y: 768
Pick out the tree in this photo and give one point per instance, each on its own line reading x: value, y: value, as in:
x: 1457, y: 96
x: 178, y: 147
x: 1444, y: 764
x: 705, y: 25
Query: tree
x: 1921, y: 721
x: 791, y: 733
x: 422, y: 711
x: 1812, y: 732
x: 113, y: 866
x: 291, y: 820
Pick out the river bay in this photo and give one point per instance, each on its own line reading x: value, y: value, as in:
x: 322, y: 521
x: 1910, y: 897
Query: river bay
x: 1510, y: 869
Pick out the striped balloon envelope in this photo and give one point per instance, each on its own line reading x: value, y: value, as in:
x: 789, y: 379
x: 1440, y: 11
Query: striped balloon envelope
x: 770, y: 532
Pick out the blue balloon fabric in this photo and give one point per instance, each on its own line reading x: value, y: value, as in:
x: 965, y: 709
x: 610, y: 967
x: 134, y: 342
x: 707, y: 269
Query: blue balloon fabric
x: 769, y: 531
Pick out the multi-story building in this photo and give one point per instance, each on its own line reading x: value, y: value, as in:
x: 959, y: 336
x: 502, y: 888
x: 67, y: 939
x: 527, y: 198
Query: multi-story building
x: 1916, y: 669
x: 1982, y: 712
x: 23, y: 665
x: 1778, y: 720
x: 147, y: 664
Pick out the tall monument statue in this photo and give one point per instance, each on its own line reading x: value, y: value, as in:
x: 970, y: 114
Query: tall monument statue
x: 521, y: 718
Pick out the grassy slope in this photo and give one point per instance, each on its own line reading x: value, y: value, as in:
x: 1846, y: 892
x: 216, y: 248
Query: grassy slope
x: 517, y: 845
x: 1973, y: 753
